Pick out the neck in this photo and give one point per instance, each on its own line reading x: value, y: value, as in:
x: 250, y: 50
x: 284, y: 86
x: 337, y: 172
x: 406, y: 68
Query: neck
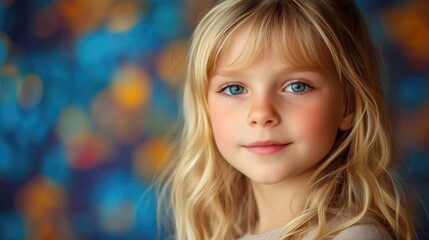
x: 279, y: 203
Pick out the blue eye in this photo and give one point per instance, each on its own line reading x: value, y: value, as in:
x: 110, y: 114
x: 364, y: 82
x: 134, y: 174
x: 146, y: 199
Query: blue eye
x: 233, y: 89
x: 297, y: 87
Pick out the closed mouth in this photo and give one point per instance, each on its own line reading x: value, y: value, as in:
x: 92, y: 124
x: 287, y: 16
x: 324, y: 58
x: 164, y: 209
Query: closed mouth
x: 266, y: 147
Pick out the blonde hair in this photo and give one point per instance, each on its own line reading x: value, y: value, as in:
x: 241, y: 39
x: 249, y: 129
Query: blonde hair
x: 209, y: 199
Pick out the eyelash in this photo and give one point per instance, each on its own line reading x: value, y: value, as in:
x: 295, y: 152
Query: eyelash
x: 222, y: 89
x: 308, y: 87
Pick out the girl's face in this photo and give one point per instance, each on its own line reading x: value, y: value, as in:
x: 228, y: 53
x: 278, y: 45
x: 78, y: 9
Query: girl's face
x: 273, y: 122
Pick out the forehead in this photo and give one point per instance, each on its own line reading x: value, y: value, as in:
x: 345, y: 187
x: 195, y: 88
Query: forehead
x: 251, y: 42
x: 235, y: 45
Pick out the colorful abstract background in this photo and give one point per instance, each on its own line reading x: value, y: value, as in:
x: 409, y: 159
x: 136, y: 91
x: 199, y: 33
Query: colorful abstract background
x: 89, y: 91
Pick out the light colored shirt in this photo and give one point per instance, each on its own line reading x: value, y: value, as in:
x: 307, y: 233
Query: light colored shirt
x: 356, y: 232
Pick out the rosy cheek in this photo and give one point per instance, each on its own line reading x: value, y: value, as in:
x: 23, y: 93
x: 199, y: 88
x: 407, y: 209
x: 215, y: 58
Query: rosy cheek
x: 220, y: 129
x: 318, y: 121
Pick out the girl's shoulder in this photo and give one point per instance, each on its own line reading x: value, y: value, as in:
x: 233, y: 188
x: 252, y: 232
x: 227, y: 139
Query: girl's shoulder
x: 355, y: 232
x: 363, y: 232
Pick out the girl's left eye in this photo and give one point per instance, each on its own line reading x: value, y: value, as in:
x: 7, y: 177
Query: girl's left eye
x: 297, y: 87
x: 233, y: 89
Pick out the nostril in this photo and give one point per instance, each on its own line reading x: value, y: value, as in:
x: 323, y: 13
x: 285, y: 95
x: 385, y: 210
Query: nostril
x: 269, y: 122
x: 263, y: 115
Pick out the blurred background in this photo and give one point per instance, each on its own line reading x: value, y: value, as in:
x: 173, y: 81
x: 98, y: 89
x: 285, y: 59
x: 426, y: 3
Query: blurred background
x: 90, y: 89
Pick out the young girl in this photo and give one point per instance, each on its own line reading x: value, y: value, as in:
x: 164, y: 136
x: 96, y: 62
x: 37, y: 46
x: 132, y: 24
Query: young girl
x: 286, y: 134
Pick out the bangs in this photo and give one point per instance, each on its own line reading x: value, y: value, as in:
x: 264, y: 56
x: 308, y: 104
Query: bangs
x: 285, y: 31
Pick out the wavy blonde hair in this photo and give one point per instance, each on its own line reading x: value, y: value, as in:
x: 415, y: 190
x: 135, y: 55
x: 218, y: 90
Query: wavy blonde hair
x: 209, y: 199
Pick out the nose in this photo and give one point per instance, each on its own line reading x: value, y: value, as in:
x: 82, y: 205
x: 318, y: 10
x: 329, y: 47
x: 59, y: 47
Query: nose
x: 263, y: 114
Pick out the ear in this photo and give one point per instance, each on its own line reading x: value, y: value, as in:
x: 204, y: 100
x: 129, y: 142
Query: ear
x: 346, y: 121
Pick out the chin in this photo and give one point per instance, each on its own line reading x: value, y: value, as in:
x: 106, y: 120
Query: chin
x: 268, y: 179
x: 285, y: 175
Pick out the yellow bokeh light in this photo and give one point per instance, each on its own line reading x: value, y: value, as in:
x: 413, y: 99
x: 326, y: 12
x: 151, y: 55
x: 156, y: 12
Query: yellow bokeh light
x: 123, y: 16
x: 40, y: 197
x: 75, y: 13
x: 150, y: 157
x: 132, y: 88
x: 43, y: 205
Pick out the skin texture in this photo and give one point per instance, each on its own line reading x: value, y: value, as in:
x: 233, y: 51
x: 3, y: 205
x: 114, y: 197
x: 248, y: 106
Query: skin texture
x: 291, y: 115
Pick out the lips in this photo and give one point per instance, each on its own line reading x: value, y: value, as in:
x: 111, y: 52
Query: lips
x: 266, y: 147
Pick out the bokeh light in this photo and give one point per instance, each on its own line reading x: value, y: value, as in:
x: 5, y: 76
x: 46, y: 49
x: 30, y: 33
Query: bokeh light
x: 105, y: 112
x: 83, y: 16
x: 43, y: 204
x: 409, y: 27
x: 172, y: 61
x: 9, y: 80
x: 114, y: 121
x: 72, y: 122
x: 150, y: 157
x: 131, y: 88
x: 123, y: 16
x: 30, y: 91
x: 86, y: 150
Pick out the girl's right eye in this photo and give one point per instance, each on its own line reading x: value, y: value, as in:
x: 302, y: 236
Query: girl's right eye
x: 233, y: 89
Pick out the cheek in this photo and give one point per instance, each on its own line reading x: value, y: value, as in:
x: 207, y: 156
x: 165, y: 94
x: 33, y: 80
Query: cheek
x: 319, y: 123
x: 219, y: 128
x: 222, y: 124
